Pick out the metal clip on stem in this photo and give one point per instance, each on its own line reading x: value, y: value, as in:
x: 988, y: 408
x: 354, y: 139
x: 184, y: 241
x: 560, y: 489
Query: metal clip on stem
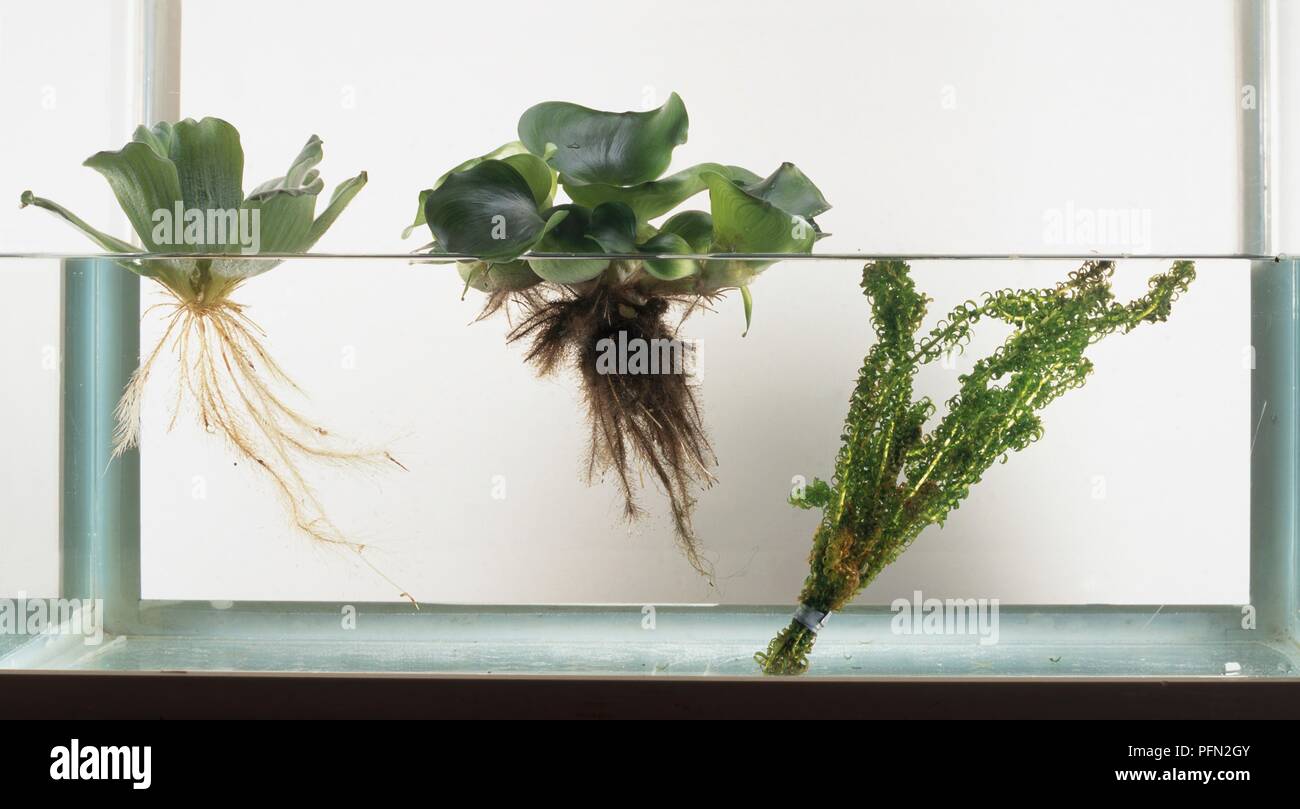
x: 813, y: 620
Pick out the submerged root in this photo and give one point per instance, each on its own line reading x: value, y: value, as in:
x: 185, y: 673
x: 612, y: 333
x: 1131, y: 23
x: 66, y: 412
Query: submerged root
x: 638, y: 419
x: 231, y: 380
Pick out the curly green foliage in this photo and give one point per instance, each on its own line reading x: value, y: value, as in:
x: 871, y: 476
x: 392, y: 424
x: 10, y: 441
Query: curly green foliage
x: 892, y: 478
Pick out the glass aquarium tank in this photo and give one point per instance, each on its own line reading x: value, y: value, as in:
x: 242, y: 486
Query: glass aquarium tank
x: 859, y: 341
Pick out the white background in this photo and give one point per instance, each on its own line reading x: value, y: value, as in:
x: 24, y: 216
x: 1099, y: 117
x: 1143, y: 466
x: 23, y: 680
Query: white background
x: 931, y: 127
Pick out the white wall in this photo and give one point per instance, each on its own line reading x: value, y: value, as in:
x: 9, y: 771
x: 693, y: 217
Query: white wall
x: 1286, y: 144
x: 61, y: 67
x: 932, y: 127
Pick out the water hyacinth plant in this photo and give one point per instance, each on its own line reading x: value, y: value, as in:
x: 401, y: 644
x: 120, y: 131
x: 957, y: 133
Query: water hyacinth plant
x: 181, y: 187
x: 893, y: 478
x: 607, y: 267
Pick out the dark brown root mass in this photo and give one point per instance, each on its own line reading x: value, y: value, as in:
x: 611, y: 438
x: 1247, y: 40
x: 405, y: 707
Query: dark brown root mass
x: 641, y: 420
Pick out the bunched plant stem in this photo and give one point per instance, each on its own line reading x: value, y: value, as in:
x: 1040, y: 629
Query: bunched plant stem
x: 892, y: 478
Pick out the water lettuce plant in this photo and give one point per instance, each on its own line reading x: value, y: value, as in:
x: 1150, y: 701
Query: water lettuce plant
x: 606, y: 268
x: 181, y: 187
x: 893, y: 478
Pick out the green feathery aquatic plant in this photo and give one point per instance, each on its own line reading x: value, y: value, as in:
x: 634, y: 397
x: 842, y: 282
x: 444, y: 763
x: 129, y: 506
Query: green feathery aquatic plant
x: 180, y: 186
x: 498, y: 214
x: 892, y: 478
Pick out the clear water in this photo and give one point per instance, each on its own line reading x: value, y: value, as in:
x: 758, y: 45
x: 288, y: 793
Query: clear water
x: 1130, y: 521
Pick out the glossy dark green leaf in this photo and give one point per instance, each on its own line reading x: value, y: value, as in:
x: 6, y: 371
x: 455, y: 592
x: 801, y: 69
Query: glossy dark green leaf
x: 616, y: 148
x: 656, y: 197
x: 613, y: 227
x: 544, y: 190
x: 488, y: 211
x: 696, y: 227
x: 541, y: 178
x: 669, y: 269
x: 571, y: 235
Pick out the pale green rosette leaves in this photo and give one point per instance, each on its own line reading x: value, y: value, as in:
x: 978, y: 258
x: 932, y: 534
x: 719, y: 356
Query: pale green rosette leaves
x: 196, y: 168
